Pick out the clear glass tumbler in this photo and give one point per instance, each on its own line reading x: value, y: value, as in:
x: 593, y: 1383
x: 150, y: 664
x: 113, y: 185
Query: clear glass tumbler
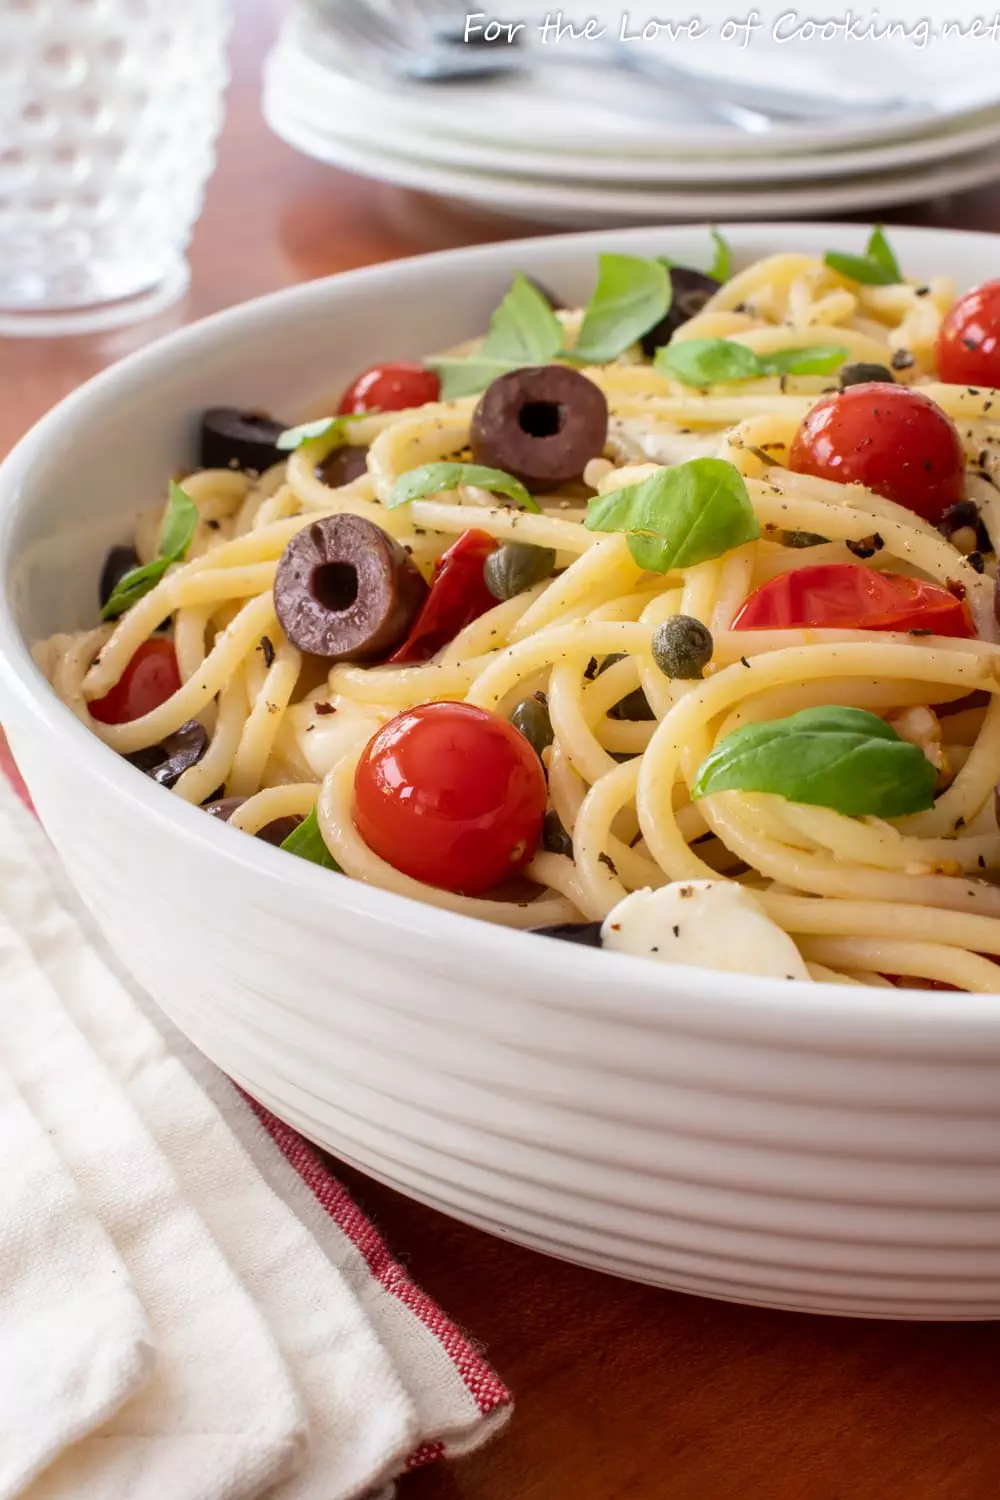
x: 109, y: 113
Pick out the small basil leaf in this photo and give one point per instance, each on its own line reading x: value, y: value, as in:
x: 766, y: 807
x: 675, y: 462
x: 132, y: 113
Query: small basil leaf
x: 880, y: 251
x: 722, y: 266
x: 523, y: 331
x: 630, y: 297
x: 307, y: 842
x: 707, y: 361
x: 179, y: 524
x: 308, y: 432
x: 176, y: 535
x: 821, y: 359
x: 430, y: 479
x: 681, y: 516
x: 843, y: 758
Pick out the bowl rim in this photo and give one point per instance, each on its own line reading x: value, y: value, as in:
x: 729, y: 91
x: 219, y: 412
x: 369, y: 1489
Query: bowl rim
x: 728, y: 1002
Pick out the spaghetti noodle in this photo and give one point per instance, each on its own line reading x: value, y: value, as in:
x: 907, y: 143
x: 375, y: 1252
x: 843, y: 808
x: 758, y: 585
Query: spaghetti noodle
x: 861, y: 896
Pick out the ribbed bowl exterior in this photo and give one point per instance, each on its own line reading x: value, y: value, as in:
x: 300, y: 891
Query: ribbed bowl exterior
x: 822, y: 1149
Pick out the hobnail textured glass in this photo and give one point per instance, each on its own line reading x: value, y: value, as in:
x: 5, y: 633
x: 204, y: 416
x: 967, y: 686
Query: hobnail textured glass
x: 109, y: 113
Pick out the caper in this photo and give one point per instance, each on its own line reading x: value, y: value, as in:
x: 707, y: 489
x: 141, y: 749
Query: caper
x: 531, y: 717
x: 682, y: 647
x: 634, y: 707
x: 803, y: 539
x: 554, y: 836
x: 516, y: 566
x: 863, y: 374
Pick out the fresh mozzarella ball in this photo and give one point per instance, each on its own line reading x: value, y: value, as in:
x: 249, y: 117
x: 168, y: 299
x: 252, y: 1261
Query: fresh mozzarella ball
x: 713, y: 924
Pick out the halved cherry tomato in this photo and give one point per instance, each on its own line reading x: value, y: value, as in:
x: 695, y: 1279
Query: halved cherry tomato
x: 458, y: 596
x: 451, y: 795
x: 892, y: 440
x: 846, y: 596
x: 390, y: 388
x: 968, y: 349
x: 151, y: 677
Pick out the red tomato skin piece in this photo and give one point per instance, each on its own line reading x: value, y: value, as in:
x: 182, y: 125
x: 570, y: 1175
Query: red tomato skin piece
x: 151, y: 677
x: 846, y: 596
x: 892, y: 440
x: 458, y: 596
x: 452, y: 796
x: 968, y: 347
x: 390, y: 387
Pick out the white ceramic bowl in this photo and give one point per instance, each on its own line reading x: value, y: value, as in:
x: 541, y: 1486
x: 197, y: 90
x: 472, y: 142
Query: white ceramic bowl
x: 824, y: 1148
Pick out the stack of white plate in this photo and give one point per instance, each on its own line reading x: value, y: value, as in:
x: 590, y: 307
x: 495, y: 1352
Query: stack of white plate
x: 548, y: 145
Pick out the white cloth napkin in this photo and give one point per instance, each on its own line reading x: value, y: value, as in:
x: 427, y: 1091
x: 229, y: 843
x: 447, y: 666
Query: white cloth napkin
x: 219, y: 1320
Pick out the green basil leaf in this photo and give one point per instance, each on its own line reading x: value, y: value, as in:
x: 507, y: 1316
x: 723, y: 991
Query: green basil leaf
x: 176, y: 535
x: 707, y: 361
x: 680, y: 516
x: 881, y: 252
x: 631, y: 296
x: 702, y: 362
x: 821, y: 359
x: 307, y: 842
x: 722, y: 266
x: 306, y: 432
x: 877, y: 267
x: 843, y: 758
x: 430, y: 479
x: 523, y: 331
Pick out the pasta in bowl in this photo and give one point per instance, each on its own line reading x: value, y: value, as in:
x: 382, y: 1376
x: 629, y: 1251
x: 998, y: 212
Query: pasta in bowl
x: 634, y: 623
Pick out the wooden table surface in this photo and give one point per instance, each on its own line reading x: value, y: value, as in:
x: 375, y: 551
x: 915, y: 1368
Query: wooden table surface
x: 622, y: 1391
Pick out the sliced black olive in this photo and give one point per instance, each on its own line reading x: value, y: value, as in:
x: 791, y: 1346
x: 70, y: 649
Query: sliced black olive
x: 964, y: 514
x: 275, y: 832
x: 119, y: 561
x: 346, y: 591
x: 531, y: 717
x: 234, y: 439
x: 682, y: 647
x: 166, y: 763
x: 863, y: 374
x: 543, y: 424
x: 342, y: 466
x: 586, y: 933
x: 516, y: 566
x: 554, y: 836
x: 691, y: 290
x: 634, y: 707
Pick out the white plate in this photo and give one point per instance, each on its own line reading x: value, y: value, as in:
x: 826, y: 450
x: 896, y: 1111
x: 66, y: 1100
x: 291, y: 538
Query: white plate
x: 296, y: 85
x: 562, y: 107
x: 579, y: 205
x: 830, y: 1149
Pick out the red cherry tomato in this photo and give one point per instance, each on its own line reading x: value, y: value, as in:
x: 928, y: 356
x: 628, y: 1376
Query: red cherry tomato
x: 451, y: 795
x: 893, y: 440
x: 846, y: 596
x: 968, y: 350
x: 458, y: 596
x: 390, y: 388
x: 151, y: 677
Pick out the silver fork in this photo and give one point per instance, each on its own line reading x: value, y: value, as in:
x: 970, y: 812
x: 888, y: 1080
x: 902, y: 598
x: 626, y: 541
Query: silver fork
x: 426, y: 45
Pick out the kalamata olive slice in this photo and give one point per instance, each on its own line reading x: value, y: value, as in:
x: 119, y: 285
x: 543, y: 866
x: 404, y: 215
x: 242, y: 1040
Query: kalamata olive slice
x: 691, y: 290
x: 346, y: 591
x: 119, y: 561
x: 543, y: 424
x: 224, y: 807
x: 864, y: 373
x: 234, y: 439
x: 166, y: 763
x: 588, y: 934
x: 342, y: 466
x: 275, y: 832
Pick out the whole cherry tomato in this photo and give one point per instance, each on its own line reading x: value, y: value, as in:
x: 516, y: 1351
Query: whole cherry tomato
x: 892, y: 440
x: 846, y: 596
x: 451, y: 795
x: 968, y: 349
x: 458, y: 596
x: 394, y: 387
x: 151, y: 677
